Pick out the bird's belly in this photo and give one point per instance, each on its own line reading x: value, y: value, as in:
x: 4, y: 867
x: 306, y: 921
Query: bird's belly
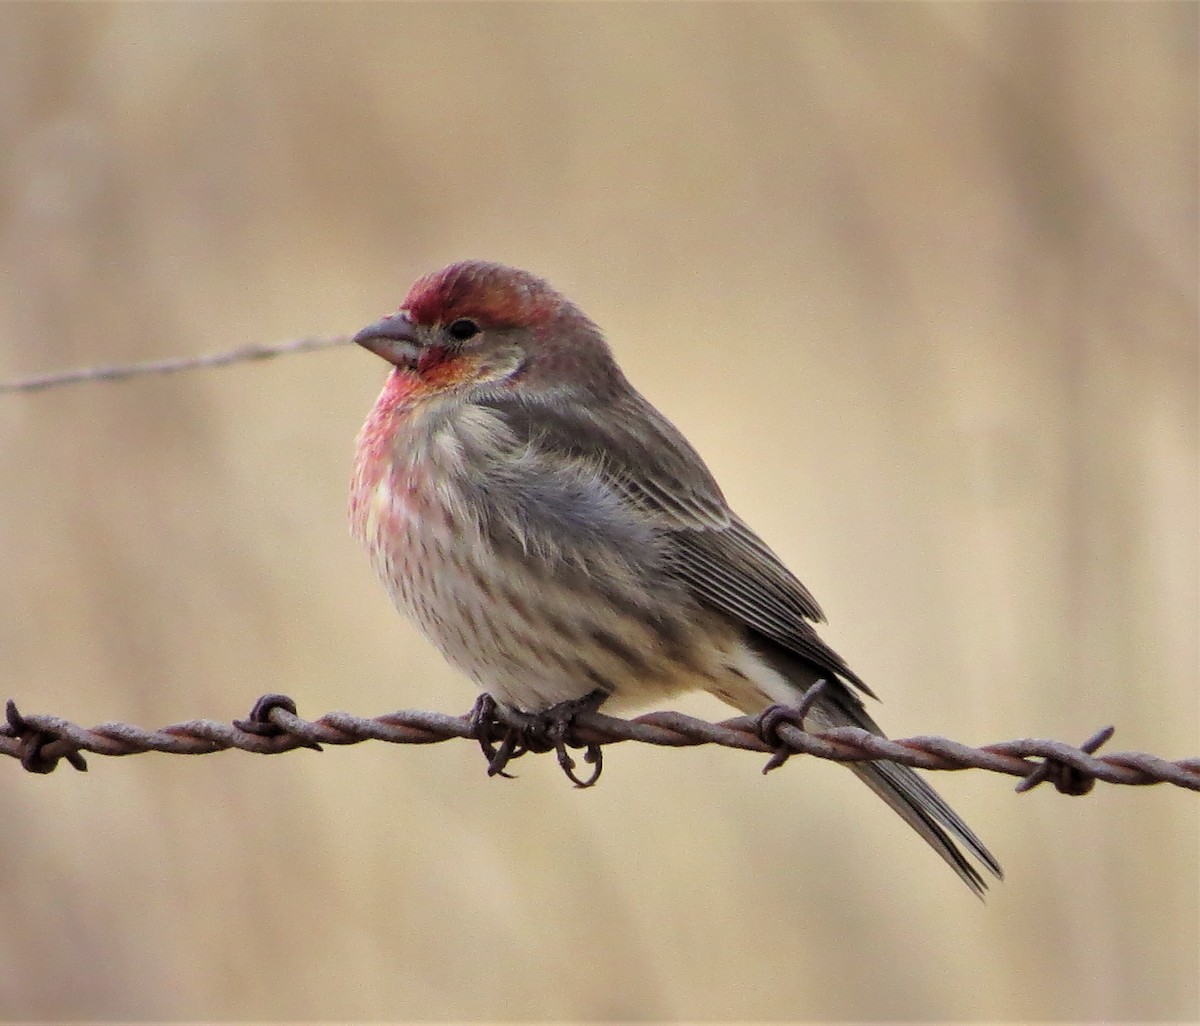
x: 530, y: 637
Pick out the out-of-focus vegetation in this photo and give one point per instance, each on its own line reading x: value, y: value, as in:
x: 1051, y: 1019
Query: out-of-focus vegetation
x: 921, y: 284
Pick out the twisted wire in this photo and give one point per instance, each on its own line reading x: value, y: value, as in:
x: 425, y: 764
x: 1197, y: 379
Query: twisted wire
x: 40, y: 741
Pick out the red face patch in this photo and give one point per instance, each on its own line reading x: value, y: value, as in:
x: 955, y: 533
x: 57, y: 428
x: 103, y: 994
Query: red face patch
x: 436, y: 371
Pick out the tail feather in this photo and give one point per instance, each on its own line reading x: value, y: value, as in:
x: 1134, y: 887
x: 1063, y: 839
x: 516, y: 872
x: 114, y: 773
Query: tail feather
x: 918, y: 804
x: 923, y: 809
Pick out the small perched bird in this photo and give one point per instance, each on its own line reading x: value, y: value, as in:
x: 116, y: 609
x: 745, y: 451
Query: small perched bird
x: 555, y: 536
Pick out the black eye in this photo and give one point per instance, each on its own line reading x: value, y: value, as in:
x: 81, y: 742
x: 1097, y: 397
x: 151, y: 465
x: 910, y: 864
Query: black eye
x: 463, y: 329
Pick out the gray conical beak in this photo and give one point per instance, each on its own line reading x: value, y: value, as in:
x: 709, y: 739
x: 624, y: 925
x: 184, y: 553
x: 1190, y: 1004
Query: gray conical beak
x: 394, y: 338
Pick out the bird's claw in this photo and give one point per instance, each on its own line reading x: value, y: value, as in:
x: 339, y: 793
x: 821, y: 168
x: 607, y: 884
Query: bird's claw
x: 505, y: 734
x: 496, y: 740
x: 774, y: 716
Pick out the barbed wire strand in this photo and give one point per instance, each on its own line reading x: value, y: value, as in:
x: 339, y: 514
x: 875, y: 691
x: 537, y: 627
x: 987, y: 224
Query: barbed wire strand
x: 172, y: 365
x: 40, y: 741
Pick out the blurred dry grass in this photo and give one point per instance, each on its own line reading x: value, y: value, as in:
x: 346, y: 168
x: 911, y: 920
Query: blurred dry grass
x: 920, y: 281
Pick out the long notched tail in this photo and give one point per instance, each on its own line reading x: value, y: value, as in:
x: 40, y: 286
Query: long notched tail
x: 923, y: 809
x: 918, y: 804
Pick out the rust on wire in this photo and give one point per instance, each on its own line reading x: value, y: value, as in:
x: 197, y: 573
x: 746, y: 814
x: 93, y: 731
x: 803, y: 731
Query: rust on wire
x: 40, y: 741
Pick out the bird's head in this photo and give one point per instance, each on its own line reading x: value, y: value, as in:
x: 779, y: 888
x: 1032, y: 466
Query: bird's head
x: 478, y: 324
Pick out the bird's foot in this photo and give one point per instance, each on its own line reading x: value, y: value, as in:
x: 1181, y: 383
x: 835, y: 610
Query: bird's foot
x: 774, y: 716
x: 505, y: 734
x: 495, y: 739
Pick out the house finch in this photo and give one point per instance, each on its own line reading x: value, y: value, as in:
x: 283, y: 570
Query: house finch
x: 555, y: 536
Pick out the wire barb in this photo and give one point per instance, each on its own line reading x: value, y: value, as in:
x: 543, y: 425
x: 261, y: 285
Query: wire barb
x: 1067, y: 779
x: 775, y: 716
x: 40, y: 741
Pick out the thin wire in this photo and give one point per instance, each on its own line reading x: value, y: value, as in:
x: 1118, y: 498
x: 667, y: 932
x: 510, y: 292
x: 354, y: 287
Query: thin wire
x: 172, y: 365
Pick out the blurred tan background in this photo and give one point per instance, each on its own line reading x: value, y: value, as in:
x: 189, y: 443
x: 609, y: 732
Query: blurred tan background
x: 921, y: 284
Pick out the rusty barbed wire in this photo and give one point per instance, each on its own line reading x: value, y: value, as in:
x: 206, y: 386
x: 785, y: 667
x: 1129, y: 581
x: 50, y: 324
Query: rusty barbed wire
x: 172, y: 365
x: 40, y: 741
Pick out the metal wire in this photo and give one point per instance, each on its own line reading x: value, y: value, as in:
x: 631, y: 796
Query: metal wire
x: 121, y: 372
x: 40, y: 741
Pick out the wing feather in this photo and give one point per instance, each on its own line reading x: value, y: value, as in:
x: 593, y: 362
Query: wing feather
x: 720, y: 560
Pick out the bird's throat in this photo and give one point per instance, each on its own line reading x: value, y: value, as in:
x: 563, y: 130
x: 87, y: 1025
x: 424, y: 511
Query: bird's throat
x: 431, y: 358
